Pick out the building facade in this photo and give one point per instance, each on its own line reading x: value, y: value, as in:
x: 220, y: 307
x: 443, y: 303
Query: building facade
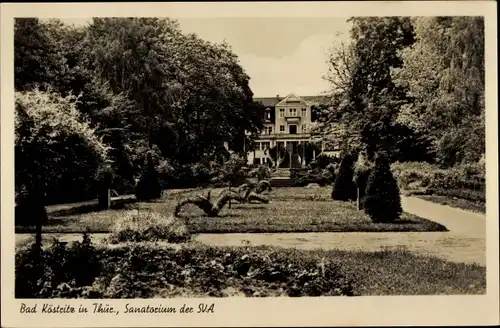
x: 287, y: 125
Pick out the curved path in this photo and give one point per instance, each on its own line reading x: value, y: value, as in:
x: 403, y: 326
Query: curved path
x: 464, y: 242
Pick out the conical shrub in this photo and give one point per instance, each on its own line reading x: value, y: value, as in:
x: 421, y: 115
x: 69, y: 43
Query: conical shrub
x: 382, y: 201
x: 149, y: 186
x: 344, y: 188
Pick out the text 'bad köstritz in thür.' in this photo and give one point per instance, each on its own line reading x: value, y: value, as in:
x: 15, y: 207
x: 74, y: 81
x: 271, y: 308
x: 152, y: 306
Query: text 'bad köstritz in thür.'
x: 103, y: 308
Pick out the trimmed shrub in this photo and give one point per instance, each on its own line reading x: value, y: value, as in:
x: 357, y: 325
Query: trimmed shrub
x: 138, y: 226
x: 382, y: 200
x: 149, y: 186
x: 344, y: 187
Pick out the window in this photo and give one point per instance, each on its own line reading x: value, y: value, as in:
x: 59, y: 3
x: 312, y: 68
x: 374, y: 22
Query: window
x: 293, y: 111
x: 282, y: 112
x: 282, y: 128
x: 304, y: 128
x: 269, y: 130
x: 268, y: 116
x: 304, y: 111
x: 266, y: 145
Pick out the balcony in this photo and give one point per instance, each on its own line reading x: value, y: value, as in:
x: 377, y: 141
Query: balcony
x: 295, y: 118
x: 284, y: 136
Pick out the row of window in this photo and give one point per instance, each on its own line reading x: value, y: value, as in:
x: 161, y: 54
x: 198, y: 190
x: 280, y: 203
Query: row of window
x: 293, y: 112
x: 262, y: 145
x: 292, y: 129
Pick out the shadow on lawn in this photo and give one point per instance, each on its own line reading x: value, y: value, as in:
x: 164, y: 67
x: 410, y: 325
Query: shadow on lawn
x: 117, y: 204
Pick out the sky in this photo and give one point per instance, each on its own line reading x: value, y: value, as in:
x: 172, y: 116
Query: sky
x: 281, y: 55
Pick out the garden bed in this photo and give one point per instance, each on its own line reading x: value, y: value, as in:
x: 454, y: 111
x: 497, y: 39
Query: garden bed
x: 290, y: 210
x: 462, y: 186
x: 152, y: 271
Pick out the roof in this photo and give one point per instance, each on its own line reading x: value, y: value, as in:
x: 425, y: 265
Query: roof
x: 272, y: 101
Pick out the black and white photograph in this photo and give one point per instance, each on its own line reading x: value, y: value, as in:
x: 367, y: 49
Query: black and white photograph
x: 165, y: 156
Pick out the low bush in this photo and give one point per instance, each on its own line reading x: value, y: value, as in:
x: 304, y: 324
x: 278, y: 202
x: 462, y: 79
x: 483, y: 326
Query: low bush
x: 421, y: 176
x: 137, y: 226
x: 151, y: 272
x: 59, y: 271
x: 323, y: 177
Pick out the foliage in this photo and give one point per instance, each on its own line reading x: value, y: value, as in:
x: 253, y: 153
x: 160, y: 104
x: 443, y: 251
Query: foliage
x: 362, y: 170
x: 368, y: 98
x: 413, y: 88
x: 213, y: 209
x: 323, y: 177
x: 143, y: 271
x: 57, y: 152
x: 149, y: 187
x: 443, y: 72
x: 261, y: 172
x: 59, y: 272
x: 138, y: 226
x: 424, y: 176
x: 147, y: 272
x: 233, y: 171
x: 192, y: 93
x: 382, y: 200
x: 343, y: 187
x: 253, y: 187
x: 148, y: 86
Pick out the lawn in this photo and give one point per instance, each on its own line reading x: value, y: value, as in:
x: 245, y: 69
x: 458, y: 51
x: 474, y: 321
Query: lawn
x: 153, y: 271
x: 290, y: 210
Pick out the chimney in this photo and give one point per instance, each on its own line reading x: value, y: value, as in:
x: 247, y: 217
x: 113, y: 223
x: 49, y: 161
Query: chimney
x: 277, y: 97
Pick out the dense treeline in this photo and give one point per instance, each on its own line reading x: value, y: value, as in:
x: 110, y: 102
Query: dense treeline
x: 411, y: 87
x: 102, y: 98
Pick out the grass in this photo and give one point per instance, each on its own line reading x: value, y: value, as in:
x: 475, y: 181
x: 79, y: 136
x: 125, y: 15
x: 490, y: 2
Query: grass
x: 290, y: 210
x: 400, y: 272
x: 461, y: 203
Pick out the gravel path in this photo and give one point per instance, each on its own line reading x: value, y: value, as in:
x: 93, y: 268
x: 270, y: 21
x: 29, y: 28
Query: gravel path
x: 464, y: 242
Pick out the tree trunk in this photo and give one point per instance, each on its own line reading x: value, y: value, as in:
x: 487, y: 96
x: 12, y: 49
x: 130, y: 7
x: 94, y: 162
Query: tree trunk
x: 229, y: 204
x: 357, y: 198
x: 104, y: 199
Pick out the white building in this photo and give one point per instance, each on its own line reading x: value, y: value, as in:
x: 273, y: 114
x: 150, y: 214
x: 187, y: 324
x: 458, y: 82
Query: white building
x: 287, y: 125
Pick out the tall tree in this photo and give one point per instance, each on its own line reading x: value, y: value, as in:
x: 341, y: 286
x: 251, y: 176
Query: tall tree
x: 193, y: 95
x: 444, y: 74
x: 366, y: 98
x: 56, y: 152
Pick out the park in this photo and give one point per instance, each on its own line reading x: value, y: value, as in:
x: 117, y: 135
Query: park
x: 146, y: 168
